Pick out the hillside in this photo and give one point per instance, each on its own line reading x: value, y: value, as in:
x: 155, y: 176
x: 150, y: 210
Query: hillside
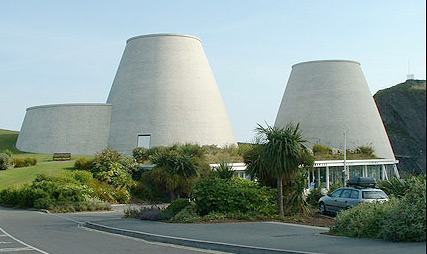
x: 7, y: 140
x: 403, y: 110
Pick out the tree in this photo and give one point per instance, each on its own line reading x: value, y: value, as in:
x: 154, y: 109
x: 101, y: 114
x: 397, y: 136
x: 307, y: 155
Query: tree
x: 176, y: 169
x: 278, y: 153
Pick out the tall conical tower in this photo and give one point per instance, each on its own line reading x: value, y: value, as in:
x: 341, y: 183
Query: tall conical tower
x: 164, y: 92
x: 330, y: 97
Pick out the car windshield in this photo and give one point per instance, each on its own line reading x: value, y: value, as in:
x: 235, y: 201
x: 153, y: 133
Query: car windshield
x: 374, y: 195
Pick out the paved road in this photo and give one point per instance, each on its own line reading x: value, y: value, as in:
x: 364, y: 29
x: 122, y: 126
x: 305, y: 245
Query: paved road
x: 60, y: 233
x: 25, y: 231
x: 273, y: 235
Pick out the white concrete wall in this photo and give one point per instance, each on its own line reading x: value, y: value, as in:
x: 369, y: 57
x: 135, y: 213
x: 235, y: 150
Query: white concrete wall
x: 74, y: 128
x: 330, y: 97
x: 165, y: 87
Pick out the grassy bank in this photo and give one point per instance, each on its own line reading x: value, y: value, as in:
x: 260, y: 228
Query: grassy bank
x: 28, y: 174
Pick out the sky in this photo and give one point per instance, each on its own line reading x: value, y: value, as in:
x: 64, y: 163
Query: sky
x: 54, y: 52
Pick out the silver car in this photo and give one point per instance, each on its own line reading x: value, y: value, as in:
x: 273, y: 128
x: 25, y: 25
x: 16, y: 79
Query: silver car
x: 347, y: 197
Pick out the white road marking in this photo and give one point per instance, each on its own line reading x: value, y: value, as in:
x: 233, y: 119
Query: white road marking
x: 15, y: 249
x: 65, y: 218
x: 296, y: 225
x: 29, y: 247
x: 5, y: 242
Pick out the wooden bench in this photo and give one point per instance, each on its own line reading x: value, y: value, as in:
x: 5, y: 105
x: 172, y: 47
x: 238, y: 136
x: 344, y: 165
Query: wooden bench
x: 62, y: 156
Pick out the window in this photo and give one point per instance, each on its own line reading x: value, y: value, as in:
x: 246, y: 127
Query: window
x: 354, y: 194
x: 144, y: 141
x: 336, y: 193
x: 374, y: 195
x: 345, y: 193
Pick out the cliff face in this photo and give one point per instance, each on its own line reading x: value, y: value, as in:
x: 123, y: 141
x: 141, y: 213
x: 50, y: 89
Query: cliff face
x: 403, y: 111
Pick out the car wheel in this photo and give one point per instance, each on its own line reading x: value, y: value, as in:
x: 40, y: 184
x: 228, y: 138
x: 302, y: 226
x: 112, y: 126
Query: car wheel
x: 322, y: 208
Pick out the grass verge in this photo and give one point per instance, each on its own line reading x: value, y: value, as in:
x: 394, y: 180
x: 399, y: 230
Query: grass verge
x: 24, y: 175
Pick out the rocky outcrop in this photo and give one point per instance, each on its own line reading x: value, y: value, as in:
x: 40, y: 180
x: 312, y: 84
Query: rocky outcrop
x: 403, y: 111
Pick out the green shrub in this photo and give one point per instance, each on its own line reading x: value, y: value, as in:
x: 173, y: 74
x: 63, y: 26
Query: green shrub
x: 131, y: 212
x: 212, y: 149
x: 232, y: 150
x: 243, y: 148
x: 28, y: 195
x: 157, y: 149
x: 293, y: 194
x: 83, y: 176
x: 187, y: 215
x: 176, y: 169
x: 146, y: 189
x: 83, y: 163
x: 235, y: 195
x: 335, y: 186
x: 64, y: 192
x: 48, y: 189
x: 5, y: 161
x: 13, y: 195
x: 368, y: 150
x: 319, y: 149
x: 108, y: 156
x: 364, y: 220
x: 66, y: 206
x: 109, y: 193
x: 215, y: 216
x: 193, y: 150
x: 68, y: 177
x: 407, y: 221
x: 20, y: 162
x: 398, y: 187
x: 223, y: 171
x: 401, y: 219
x: 174, y: 208
x: 140, y: 154
x: 116, y: 175
x: 114, y: 168
x: 153, y: 213
x: 314, y: 196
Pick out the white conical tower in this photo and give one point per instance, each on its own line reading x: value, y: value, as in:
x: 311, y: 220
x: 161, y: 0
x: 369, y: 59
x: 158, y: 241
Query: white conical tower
x: 330, y: 97
x: 164, y: 90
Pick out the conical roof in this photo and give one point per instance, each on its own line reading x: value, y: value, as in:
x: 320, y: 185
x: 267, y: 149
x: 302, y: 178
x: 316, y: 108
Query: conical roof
x: 330, y: 97
x: 165, y: 89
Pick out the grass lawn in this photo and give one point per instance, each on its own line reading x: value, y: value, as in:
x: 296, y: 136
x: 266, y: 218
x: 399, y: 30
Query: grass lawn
x: 44, y: 165
x: 15, y: 176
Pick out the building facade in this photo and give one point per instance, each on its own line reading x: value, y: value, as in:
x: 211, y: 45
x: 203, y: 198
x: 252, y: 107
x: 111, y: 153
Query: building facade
x: 164, y: 93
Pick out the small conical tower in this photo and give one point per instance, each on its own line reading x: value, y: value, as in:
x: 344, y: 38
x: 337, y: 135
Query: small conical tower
x: 330, y: 97
x: 165, y: 92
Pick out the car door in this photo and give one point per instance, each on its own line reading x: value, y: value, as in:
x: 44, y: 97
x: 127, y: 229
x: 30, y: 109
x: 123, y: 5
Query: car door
x: 332, y: 202
x: 343, y: 199
x: 354, y: 198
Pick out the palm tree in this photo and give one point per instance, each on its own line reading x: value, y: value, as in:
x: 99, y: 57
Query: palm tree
x: 176, y: 170
x: 279, y: 152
